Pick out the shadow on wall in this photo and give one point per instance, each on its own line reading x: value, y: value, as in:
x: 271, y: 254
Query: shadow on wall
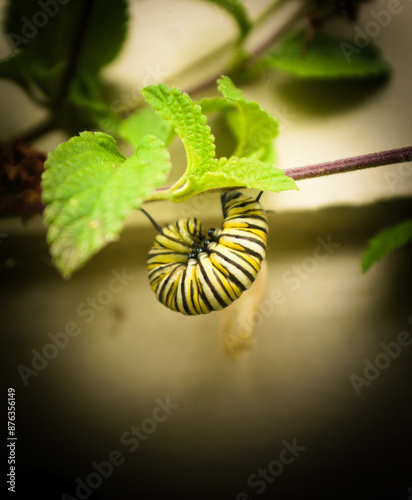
x: 323, y: 98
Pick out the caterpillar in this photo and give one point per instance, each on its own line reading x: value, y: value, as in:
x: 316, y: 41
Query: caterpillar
x: 194, y: 271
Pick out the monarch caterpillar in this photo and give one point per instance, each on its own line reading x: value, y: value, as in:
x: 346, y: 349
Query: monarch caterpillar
x: 195, y: 271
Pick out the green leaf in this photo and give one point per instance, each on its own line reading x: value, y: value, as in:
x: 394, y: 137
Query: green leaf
x: 53, y: 38
x: 227, y: 88
x: 142, y: 122
x: 270, y: 155
x: 254, y: 128
x: 187, y: 120
x: 87, y: 107
x: 386, y: 241
x: 326, y: 57
x: 237, y: 10
x: 204, y: 171
x: 90, y: 188
x: 245, y: 172
x: 213, y: 104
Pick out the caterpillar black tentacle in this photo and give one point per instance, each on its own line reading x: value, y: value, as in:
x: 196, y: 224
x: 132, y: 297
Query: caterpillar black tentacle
x: 194, y: 271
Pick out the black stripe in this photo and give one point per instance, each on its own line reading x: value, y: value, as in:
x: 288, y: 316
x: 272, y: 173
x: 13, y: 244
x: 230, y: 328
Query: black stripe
x: 151, y: 254
x: 249, y: 274
x: 161, y: 286
x: 183, y: 290
x: 248, y: 251
x: 231, y: 276
x: 244, y: 270
x: 249, y: 226
x: 253, y: 253
x: 224, y: 201
x: 230, y: 282
x: 203, y: 296
x: 196, y: 226
x: 164, y: 266
x: 192, y: 295
x: 171, y: 293
x: 259, y: 228
x: 187, y: 226
x: 212, y: 288
x: 239, y: 255
x: 246, y: 216
x: 181, y: 241
x: 247, y: 238
x: 244, y: 203
x: 179, y: 227
x: 205, y: 300
x: 164, y: 285
x: 217, y: 276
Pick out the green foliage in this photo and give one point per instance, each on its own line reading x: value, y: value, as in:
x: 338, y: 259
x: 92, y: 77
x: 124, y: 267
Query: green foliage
x: 244, y: 172
x: 237, y: 10
x: 386, y: 241
x: 60, y: 44
x: 187, y: 120
x: 212, y: 104
x: 142, y: 122
x: 326, y: 57
x: 90, y: 188
x: 228, y: 90
x: 87, y: 106
x: 253, y: 128
x: 322, y: 9
x: 203, y: 170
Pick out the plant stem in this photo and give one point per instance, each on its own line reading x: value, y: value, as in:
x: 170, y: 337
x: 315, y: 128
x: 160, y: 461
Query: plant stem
x: 51, y: 123
x: 270, y: 41
x: 389, y: 157
x: 44, y: 128
x: 76, y: 49
x: 211, y: 81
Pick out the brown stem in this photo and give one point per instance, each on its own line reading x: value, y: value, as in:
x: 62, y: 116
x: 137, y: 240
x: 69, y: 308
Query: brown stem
x: 389, y: 157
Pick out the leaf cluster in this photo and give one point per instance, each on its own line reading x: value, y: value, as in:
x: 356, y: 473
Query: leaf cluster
x: 59, y: 50
x: 89, y: 187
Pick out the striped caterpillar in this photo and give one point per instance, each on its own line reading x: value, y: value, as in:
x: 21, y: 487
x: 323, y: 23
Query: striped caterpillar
x: 194, y: 271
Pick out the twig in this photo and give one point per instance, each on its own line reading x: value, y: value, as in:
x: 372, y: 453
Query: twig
x: 51, y: 123
x: 210, y: 81
x: 277, y: 35
x: 194, y: 89
x: 76, y: 49
x: 389, y: 157
x: 254, y: 53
